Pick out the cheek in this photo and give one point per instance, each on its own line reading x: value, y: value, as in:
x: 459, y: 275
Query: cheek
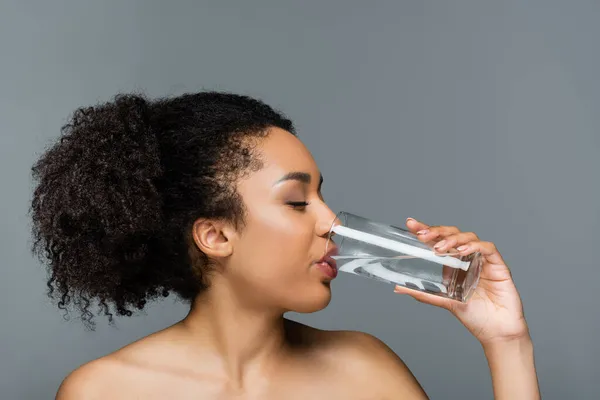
x: 274, y: 259
x: 276, y: 246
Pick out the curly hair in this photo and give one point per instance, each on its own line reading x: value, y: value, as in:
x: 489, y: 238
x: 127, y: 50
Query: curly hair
x: 116, y: 196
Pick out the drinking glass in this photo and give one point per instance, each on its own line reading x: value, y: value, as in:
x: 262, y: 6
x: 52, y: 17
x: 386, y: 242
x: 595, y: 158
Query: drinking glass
x: 394, y: 255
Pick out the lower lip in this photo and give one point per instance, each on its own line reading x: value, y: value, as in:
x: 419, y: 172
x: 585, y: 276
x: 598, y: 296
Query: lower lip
x: 327, y: 269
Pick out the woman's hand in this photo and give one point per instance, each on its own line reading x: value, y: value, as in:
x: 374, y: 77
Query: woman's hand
x: 494, y: 313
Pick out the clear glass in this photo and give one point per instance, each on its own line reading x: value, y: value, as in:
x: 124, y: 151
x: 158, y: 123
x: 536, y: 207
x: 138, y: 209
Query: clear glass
x: 395, y: 255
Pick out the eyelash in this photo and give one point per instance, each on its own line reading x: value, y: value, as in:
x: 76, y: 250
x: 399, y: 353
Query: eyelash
x: 298, y: 204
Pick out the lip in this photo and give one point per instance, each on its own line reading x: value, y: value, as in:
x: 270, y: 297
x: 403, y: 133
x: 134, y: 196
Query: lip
x: 328, y: 258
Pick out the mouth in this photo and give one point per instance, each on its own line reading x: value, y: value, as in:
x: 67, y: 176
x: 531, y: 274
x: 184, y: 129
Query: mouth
x: 327, y: 264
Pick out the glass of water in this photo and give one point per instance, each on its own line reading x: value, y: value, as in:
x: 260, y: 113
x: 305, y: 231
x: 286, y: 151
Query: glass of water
x: 395, y: 255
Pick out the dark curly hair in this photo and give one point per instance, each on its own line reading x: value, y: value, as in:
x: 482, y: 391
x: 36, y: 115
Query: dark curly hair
x: 116, y: 196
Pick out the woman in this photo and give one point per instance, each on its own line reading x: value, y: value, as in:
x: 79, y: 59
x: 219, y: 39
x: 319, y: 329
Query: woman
x: 212, y: 197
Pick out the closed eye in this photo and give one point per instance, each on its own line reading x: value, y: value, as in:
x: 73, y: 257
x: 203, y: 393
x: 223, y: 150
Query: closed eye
x: 298, y: 204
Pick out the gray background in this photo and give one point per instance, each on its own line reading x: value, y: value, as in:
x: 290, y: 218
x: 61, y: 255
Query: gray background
x: 481, y: 114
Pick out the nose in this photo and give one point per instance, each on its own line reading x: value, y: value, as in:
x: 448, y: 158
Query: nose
x: 327, y: 219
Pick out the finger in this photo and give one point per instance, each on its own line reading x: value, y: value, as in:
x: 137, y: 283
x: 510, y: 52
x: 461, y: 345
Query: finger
x: 436, y: 233
x: 414, y: 226
x: 427, y: 232
x: 449, y: 243
x: 487, y: 249
x: 425, y: 298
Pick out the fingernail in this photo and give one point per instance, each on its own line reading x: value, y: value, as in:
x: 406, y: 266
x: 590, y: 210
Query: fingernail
x: 440, y: 245
x: 462, y: 248
x: 410, y: 219
x: 423, y: 232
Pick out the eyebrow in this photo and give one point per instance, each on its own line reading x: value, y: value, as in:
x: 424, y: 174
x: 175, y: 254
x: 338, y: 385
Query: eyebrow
x: 303, y: 177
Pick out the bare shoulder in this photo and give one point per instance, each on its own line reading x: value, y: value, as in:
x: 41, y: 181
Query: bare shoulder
x: 89, y: 381
x: 113, y: 375
x: 366, y: 361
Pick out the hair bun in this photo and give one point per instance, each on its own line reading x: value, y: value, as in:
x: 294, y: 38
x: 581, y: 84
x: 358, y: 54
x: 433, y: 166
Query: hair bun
x: 97, y: 203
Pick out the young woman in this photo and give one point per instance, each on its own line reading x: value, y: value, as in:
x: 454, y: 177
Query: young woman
x: 212, y: 197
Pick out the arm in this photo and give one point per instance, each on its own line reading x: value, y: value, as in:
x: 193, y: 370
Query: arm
x: 513, y: 369
x: 494, y: 314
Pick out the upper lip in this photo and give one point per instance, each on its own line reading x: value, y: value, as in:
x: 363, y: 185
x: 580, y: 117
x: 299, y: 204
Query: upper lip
x: 327, y: 258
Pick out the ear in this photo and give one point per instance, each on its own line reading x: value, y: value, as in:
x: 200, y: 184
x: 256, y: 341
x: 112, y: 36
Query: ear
x: 213, y: 238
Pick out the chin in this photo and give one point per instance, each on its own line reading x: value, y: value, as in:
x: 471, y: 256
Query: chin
x: 314, y: 300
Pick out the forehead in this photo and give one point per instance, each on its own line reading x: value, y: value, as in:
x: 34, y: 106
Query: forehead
x: 283, y: 152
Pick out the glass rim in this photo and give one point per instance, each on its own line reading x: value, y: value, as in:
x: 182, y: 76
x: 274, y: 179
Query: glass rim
x: 342, y: 217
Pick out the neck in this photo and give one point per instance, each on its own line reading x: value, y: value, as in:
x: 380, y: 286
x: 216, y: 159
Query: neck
x: 244, y: 341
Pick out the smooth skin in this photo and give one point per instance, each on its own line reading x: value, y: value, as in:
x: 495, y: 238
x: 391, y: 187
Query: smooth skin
x: 235, y: 342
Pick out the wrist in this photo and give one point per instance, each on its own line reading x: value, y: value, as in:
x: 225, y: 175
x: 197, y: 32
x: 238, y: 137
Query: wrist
x: 512, y: 367
x: 517, y: 345
x: 518, y: 334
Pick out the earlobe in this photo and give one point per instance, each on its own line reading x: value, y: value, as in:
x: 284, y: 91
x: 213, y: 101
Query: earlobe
x: 212, y: 238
